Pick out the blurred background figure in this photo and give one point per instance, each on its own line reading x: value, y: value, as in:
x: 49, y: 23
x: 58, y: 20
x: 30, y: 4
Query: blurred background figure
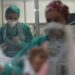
x: 35, y: 61
x: 14, y: 35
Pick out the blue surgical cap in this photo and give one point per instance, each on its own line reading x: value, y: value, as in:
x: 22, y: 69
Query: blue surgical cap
x: 11, y: 10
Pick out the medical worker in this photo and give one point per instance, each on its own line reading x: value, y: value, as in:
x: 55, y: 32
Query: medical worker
x: 14, y: 34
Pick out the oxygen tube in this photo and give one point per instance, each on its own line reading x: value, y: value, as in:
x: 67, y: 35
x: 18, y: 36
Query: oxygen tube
x: 9, y: 68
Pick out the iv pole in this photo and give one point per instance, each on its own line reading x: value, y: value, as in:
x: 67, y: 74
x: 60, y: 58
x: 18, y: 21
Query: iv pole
x: 37, y: 29
x: 2, y: 10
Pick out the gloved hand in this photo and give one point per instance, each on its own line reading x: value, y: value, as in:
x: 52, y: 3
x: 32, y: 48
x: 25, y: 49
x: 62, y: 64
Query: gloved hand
x: 16, y: 40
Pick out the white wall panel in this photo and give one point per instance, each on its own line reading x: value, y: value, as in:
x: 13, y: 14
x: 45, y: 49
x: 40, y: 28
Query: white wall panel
x: 30, y: 14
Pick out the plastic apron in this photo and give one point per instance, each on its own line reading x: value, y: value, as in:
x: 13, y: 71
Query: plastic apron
x: 56, y: 53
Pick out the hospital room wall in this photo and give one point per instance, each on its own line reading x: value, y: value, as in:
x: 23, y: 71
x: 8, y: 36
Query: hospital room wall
x: 27, y: 9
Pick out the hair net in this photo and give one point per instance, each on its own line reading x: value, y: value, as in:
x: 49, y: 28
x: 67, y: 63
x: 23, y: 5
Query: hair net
x: 58, y: 6
x: 12, y: 9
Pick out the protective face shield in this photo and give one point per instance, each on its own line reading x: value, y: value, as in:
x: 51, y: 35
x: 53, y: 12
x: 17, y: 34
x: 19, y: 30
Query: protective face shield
x: 55, y: 29
x: 12, y: 23
x: 54, y: 25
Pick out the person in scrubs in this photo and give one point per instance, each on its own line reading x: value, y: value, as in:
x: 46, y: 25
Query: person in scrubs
x: 14, y: 34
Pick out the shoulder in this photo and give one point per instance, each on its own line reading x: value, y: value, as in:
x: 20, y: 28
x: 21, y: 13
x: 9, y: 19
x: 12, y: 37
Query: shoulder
x: 25, y: 26
x: 2, y: 28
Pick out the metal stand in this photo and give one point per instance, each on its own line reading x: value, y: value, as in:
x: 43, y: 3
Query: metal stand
x: 37, y: 29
